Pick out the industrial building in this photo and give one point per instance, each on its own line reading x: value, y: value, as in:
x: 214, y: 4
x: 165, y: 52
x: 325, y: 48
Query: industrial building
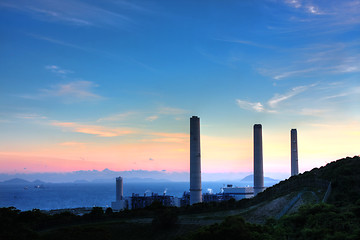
x: 237, y: 193
x: 227, y: 192
x: 195, y: 195
x: 258, y: 160
x: 136, y: 201
x: 119, y: 189
x: 120, y: 202
x: 294, y: 153
x: 195, y: 161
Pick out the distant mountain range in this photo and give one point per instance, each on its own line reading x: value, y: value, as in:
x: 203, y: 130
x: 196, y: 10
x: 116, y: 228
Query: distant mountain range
x: 248, y: 180
x: 22, y: 181
x: 108, y: 175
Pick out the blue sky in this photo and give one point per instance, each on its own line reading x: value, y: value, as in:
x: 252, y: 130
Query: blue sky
x: 84, y: 80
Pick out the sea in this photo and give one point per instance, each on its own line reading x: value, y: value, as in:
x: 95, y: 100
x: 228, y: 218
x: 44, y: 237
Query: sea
x: 49, y: 196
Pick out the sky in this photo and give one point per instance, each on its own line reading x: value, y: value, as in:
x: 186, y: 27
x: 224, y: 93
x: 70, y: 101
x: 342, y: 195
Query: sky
x: 112, y: 84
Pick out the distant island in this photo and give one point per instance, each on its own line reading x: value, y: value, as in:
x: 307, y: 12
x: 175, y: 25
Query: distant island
x: 248, y: 180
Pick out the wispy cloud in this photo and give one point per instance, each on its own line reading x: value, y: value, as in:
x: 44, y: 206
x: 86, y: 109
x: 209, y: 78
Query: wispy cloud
x: 57, y: 69
x: 93, y: 129
x: 307, y: 6
x: 272, y: 104
x: 324, y: 54
x: 245, y: 42
x: 314, y: 10
x: 316, y: 60
x: 30, y: 116
x: 152, y: 118
x: 293, y: 73
x: 294, y: 3
x: 254, y: 106
x: 90, y: 50
x: 349, y: 68
x: 354, y: 90
x: 349, y: 64
x: 67, y: 44
x: 118, y: 117
x: 56, y: 15
x: 337, y: 13
x: 148, y: 116
x: 74, y: 12
x: 78, y: 90
x: 322, y: 100
x: 278, y: 98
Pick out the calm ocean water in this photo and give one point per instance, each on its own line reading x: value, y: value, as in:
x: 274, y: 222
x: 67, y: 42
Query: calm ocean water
x: 73, y: 195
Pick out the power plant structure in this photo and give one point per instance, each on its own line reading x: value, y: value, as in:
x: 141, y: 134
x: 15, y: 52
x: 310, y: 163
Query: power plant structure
x: 120, y: 202
x: 195, y: 161
x: 119, y: 189
x: 258, y: 160
x: 195, y: 195
x: 294, y: 153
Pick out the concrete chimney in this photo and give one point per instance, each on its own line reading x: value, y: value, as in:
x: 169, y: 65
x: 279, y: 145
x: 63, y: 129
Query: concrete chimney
x: 294, y: 153
x: 258, y: 160
x: 195, y: 161
x: 119, y: 189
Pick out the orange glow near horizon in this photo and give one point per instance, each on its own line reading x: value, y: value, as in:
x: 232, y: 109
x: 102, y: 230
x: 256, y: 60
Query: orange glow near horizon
x: 318, y: 145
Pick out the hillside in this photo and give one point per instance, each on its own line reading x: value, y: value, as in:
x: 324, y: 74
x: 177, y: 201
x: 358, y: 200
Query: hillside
x: 309, y: 217
x: 291, y: 209
x: 15, y: 181
x: 250, y: 178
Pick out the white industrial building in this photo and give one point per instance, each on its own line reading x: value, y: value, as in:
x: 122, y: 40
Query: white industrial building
x: 120, y: 202
x: 238, y: 193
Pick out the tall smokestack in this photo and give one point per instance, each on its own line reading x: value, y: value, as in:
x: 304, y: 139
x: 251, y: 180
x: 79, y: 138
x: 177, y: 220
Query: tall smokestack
x: 119, y: 188
x: 294, y: 153
x: 195, y: 161
x: 258, y: 160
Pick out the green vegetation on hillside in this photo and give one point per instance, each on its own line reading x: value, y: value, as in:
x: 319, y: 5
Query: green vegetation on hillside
x: 311, y: 222
x: 338, y: 218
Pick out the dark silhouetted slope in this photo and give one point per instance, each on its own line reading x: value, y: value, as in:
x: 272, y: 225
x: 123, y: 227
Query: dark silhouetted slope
x: 339, y: 218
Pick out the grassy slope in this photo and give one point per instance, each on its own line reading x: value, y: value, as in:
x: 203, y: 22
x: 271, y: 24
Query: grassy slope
x: 343, y: 174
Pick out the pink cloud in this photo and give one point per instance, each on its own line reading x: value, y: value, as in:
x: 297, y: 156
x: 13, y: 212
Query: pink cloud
x: 93, y: 129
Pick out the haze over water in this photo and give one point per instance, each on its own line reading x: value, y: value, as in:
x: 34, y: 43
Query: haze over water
x: 49, y: 196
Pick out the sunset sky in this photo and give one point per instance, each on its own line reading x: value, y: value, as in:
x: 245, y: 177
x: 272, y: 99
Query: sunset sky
x: 112, y: 84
